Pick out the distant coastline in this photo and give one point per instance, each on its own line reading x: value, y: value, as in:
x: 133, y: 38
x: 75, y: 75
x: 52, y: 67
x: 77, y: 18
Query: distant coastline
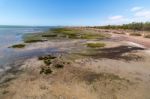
x: 23, y: 26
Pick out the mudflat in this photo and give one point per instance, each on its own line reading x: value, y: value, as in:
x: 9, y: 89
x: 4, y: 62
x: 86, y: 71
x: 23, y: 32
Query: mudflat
x: 88, y: 64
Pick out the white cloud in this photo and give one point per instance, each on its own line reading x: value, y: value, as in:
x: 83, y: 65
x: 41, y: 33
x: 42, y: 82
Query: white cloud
x: 143, y: 13
x: 134, y: 9
x: 117, y: 17
x: 137, y: 14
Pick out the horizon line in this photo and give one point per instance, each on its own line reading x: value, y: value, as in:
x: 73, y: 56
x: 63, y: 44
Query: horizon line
x: 11, y: 25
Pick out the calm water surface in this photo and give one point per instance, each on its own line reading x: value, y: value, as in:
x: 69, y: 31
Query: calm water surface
x: 12, y: 35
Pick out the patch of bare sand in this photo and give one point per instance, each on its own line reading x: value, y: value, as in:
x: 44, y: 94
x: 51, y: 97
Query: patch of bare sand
x: 32, y: 85
x: 137, y: 72
x: 84, y: 79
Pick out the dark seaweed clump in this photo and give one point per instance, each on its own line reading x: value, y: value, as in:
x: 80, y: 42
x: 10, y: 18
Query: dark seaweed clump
x: 46, y: 70
x: 115, y: 53
x: 59, y: 66
x: 46, y: 57
x: 18, y: 46
x: 48, y: 60
x: 34, y: 41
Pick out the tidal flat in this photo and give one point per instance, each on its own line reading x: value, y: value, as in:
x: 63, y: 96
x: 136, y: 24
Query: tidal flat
x: 79, y: 63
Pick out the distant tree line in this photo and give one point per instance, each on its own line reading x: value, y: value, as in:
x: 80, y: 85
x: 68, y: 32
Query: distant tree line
x: 136, y: 26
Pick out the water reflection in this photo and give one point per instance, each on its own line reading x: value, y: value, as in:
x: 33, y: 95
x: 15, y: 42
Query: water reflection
x: 13, y: 35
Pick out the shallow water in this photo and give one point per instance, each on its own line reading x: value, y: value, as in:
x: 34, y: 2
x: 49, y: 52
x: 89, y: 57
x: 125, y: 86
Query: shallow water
x: 13, y: 35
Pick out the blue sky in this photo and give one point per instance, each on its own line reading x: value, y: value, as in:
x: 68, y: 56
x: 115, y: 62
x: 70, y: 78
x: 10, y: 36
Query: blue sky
x: 73, y: 12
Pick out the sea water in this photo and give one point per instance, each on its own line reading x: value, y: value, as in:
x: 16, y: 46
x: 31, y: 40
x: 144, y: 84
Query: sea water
x: 13, y: 35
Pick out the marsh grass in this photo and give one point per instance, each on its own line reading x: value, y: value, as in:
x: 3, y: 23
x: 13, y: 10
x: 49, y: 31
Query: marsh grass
x: 46, y: 70
x: 64, y: 30
x: 59, y: 66
x: 18, y: 46
x: 33, y: 38
x: 49, y: 35
x: 95, y: 45
x: 78, y: 34
x: 69, y: 33
x: 92, y: 36
x: 34, y: 41
x: 47, y: 59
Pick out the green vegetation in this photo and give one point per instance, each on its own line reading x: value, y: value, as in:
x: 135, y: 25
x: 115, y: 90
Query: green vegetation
x: 18, y: 46
x: 77, y: 34
x: 92, y: 36
x: 47, y: 59
x: 96, y: 45
x: 46, y: 70
x: 49, y: 35
x: 59, y: 66
x: 147, y: 36
x: 34, y: 41
x: 69, y: 33
x: 132, y: 26
x: 32, y: 38
x: 136, y: 34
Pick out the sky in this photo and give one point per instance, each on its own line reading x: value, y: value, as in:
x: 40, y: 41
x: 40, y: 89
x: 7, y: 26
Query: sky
x: 73, y: 12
